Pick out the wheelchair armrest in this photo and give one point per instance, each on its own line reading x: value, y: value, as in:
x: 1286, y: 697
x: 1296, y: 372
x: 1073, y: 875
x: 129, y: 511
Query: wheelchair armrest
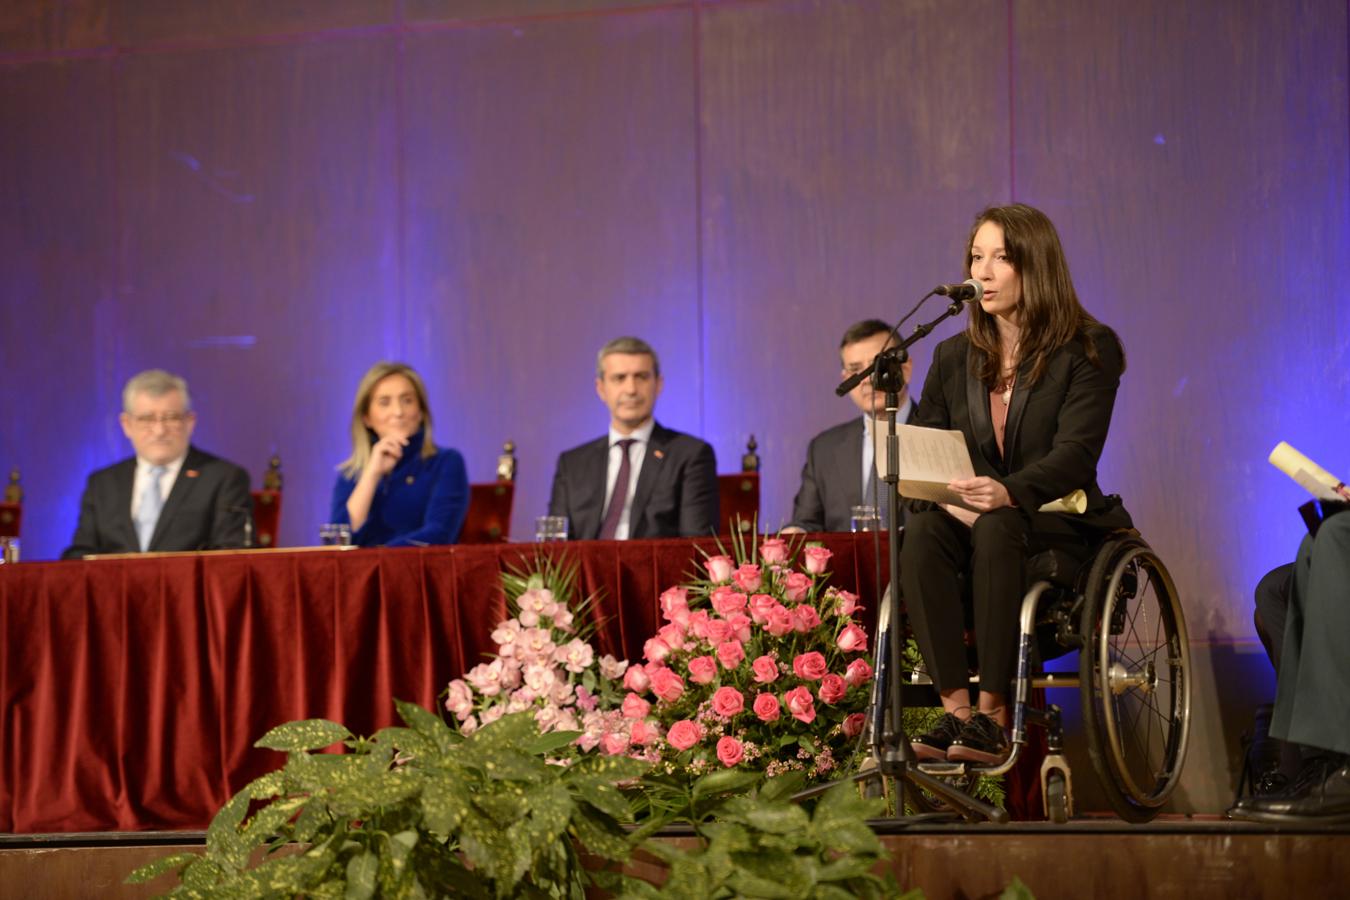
x: 1055, y: 566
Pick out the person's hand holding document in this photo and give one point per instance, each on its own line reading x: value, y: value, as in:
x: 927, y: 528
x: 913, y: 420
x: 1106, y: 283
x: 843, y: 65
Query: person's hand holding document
x: 935, y: 465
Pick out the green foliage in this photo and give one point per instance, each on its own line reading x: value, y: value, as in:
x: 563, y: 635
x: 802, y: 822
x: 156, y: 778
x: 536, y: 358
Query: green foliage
x: 419, y: 811
x: 759, y: 843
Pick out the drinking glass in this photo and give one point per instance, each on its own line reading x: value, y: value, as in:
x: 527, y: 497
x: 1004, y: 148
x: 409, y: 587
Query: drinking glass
x: 550, y: 528
x: 9, y: 550
x: 335, y: 534
x: 864, y: 518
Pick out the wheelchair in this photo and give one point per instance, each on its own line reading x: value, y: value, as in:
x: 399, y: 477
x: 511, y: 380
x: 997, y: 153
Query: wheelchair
x: 1120, y: 612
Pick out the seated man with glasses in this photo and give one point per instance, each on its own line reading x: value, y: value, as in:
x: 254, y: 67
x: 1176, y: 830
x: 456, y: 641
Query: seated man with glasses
x: 170, y: 495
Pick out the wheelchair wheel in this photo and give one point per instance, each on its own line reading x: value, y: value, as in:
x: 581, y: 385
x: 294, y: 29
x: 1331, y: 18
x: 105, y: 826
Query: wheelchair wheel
x: 1135, y: 677
x: 1056, y: 798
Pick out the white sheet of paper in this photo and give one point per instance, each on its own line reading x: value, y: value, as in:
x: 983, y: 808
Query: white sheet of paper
x: 929, y: 459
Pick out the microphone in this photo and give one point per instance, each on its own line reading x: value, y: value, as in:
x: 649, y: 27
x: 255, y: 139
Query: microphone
x: 971, y: 290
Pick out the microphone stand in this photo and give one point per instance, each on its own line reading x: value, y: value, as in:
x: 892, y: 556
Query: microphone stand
x: 890, y: 745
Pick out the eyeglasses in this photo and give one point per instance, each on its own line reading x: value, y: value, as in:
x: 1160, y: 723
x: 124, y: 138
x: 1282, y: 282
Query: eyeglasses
x: 168, y: 420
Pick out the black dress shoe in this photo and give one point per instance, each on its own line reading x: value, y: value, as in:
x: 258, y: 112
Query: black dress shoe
x: 1326, y: 802
x: 1311, y: 772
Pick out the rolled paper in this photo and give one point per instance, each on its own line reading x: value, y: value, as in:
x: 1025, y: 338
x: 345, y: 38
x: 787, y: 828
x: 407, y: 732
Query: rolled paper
x: 1074, y: 502
x: 1310, y: 476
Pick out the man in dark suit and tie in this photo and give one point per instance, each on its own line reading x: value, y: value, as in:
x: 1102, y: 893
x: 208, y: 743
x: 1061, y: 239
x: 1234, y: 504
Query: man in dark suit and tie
x: 839, y: 473
x: 170, y: 495
x: 641, y: 480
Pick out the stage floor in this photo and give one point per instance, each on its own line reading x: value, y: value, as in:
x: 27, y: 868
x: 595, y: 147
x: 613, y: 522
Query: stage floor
x: 1179, y: 857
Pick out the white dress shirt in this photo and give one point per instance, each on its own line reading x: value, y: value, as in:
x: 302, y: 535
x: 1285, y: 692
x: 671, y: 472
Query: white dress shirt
x: 166, y: 481
x: 637, y: 452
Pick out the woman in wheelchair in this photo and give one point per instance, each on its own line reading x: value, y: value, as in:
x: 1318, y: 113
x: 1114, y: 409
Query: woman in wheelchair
x: 1031, y: 384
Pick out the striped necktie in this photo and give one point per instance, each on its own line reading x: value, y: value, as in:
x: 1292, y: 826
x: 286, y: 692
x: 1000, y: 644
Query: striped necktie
x: 147, y: 514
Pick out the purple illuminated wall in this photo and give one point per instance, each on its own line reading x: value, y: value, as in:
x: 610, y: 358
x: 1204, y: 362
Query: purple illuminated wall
x: 267, y: 197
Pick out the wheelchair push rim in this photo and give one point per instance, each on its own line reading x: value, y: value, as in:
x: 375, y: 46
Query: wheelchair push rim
x: 1135, y: 679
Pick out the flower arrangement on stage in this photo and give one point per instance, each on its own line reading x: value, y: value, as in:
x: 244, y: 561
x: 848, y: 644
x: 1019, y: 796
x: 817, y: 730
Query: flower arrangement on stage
x: 760, y: 666
x: 545, y: 663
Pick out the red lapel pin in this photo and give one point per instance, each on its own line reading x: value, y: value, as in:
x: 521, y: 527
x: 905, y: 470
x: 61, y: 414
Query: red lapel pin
x: 659, y: 454
x: 192, y: 473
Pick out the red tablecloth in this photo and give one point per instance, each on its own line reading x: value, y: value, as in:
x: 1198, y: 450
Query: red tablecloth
x: 131, y: 691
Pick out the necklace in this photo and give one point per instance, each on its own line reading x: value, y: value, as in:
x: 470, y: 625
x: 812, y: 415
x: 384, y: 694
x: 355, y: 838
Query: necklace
x: 1005, y: 387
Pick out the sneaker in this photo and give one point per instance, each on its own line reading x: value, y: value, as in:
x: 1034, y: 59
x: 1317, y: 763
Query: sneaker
x: 981, y: 741
x: 933, y: 744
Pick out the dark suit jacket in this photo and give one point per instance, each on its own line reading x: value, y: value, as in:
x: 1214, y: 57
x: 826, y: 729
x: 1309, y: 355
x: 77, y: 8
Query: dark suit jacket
x: 1055, y: 430
x: 205, y: 510
x: 676, y: 494
x: 832, y: 477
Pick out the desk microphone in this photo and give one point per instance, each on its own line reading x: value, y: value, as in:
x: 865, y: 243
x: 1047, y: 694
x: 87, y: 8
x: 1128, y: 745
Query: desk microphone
x: 970, y: 290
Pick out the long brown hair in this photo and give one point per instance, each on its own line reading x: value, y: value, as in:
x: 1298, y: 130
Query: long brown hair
x: 351, y: 466
x: 1050, y: 314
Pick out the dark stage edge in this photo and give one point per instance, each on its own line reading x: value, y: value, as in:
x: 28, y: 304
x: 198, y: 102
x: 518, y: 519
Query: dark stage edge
x: 1186, y: 858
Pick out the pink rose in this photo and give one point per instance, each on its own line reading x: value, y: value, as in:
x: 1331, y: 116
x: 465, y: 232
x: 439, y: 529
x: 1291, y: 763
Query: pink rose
x: 673, y: 601
x: 796, y: 586
x: 747, y: 577
x: 858, y: 672
x: 730, y: 654
x: 684, y: 734
x: 773, y: 551
x: 805, y: 618
x: 634, y: 707
x: 847, y: 603
x: 655, y: 650
x: 698, y: 624
x: 801, y: 704
x: 780, y: 622
x: 635, y: 679
x: 740, y: 626
x: 810, y: 666
x: 729, y: 751
x: 666, y: 685
x: 702, y: 670
x: 816, y: 559
x: 852, y: 639
x: 673, y: 635
x: 719, y: 568
x: 719, y: 630
x: 643, y: 732
x: 727, y: 702
x: 614, y: 743
x: 853, y: 725
x: 727, y: 601
x: 765, y: 669
x: 760, y: 607
x: 832, y: 689
x: 766, y: 707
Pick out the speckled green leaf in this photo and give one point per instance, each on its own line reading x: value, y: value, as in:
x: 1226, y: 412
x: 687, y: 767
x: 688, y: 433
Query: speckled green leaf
x: 307, y: 734
x: 600, y: 835
x: 408, y: 742
x: 202, y: 873
x: 775, y: 819
x: 548, y: 744
x: 361, y: 872
x: 222, y: 835
x: 834, y: 892
x: 508, y: 732
x: 772, y: 875
x: 388, y: 789
x: 428, y: 724
x: 268, y: 820
x: 851, y: 837
x: 724, y: 780
x: 687, y: 879
x: 503, y: 807
x: 845, y: 868
x: 269, y: 785
x: 604, y: 797
x: 444, y: 805
x: 153, y: 870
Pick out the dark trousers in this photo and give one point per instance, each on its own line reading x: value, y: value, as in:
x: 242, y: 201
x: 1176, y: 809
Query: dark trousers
x: 1272, y: 609
x: 937, y: 552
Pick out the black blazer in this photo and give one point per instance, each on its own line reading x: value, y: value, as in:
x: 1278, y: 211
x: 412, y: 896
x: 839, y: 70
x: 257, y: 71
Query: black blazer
x: 1055, y: 430
x: 676, y: 494
x: 832, y: 477
x: 205, y: 510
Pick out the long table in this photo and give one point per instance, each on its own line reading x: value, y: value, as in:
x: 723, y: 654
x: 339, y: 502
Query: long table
x: 132, y: 690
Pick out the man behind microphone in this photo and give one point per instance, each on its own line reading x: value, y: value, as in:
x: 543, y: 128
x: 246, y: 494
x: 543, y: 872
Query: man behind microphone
x: 170, y: 495
x: 840, y: 473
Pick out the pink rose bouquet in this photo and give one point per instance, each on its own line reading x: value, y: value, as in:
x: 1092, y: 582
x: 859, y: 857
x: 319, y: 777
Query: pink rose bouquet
x: 770, y: 670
